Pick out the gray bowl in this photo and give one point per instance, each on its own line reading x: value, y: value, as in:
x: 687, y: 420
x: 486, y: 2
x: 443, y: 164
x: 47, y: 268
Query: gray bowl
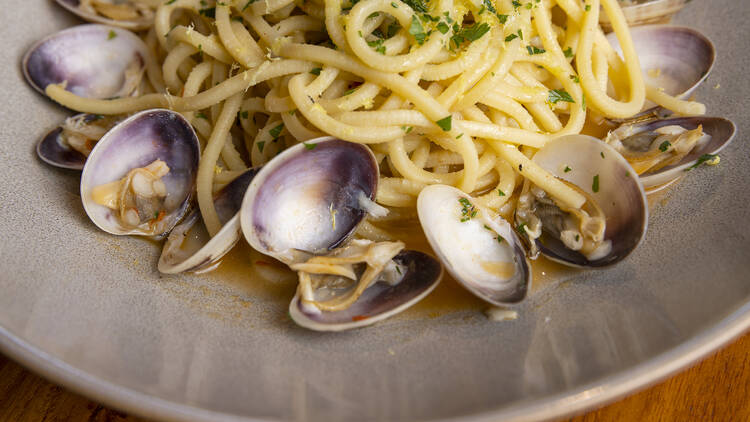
x: 89, y: 310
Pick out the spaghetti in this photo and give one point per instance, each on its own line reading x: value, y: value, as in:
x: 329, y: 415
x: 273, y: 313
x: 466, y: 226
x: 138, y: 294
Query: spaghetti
x: 456, y: 92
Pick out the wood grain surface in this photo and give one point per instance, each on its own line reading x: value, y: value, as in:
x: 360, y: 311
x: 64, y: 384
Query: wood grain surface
x: 717, y: 389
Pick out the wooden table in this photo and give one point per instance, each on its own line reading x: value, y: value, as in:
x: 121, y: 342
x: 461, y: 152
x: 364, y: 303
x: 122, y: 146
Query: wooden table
x: 717, y: 389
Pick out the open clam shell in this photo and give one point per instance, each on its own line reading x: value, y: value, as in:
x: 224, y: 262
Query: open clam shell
x: 479, y: 248
x: 52, y: 150
x: 95, y: 61
x: 56, y: 151
x: 135, y: 143
x: 309, y: 198
x: 135, y: 24
x: 644, y: 12
x: 675, y: 58
x: 379, y: 301
x: 600, y: 171
x: 190, y: 248
x: 720, y: 130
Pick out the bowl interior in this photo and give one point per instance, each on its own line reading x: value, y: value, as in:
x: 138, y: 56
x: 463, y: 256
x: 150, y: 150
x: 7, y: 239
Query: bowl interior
x: 91, y: 308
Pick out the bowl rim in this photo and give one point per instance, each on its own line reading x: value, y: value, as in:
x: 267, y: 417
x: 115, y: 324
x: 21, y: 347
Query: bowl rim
x: 578, y: 400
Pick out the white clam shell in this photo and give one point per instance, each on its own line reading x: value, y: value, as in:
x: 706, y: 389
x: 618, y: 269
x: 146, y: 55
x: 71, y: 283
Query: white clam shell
x: 472, y: 253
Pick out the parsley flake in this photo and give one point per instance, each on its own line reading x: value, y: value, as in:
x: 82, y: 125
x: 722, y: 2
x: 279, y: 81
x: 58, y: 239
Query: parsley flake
x: 445, y: 123
x: 664, y: 146
x: 557, y: 95
x: 595, y: 184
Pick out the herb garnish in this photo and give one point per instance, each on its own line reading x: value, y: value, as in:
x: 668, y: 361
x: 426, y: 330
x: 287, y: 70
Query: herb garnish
x: 664, y: 146
x: 445, y: 123
x: 702, y: 159
x: 468, y: 211
x: 112, y: 34
x: 557, y: 95
x: 595, y: 184
x: 276, y: 131
x: 416, y: 29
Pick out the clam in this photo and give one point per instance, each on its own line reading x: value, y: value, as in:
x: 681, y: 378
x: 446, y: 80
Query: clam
x: 477, y: 246
x: 68, y: 145
x: 140, y: 176
x: 642, y: 12
x: 381, y: 300
x: 92, y: 61
x: 610, y: 224
x: 129, y: 14
x: 190, y: 248
x: 674, y: 58
x: 309, y: 198
x: 662, y: 150
x: 303, y: 208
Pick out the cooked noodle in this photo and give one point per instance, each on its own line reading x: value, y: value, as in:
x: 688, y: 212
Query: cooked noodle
x: 455, y: 92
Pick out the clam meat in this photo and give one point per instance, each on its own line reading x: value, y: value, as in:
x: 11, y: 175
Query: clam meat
x: 140, y: 176
x: 303, y: 208
x: 606, y: 228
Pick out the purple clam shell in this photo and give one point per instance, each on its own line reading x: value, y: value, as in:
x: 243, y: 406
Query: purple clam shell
x: 380, y: 300
x: 328, y: 173
x: 91, y: 58
x: 52, y: 151
x: 137, y: 142
x: 229, y: 199
x: 72, y: 7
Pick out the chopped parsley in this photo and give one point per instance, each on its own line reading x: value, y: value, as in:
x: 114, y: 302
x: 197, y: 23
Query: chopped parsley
x: 417, y: 5
x: 567, y: 169
x: 112, y: 34
x: 378, y: 44
x: 261, y: 144
x: 244, y: 114
x: 416, y: 30
x: 602, y: 154
x: 169, y: 2
x: 557, y: 95
x: 276, y: 131
x: 469, y: 33
x: 575, y: 79
x: 499, y: 239
x: 595, y: 184
x: 468, y: 211
x: 521, y: 228
x: 445, y: 123
x: 702, y: 159
x: 511, y: 37
x: 309, y: 146
x: 500, y: 193
x: 587, y: 8
x: 503, y: 18
x: 407, y: 129
x: 534, y: 50
x: 200, y: 115
x: 568, y: 52
x: 443, y: 27
x: 316, y: 71
x: 664, y: 146
x: 516, y: 4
